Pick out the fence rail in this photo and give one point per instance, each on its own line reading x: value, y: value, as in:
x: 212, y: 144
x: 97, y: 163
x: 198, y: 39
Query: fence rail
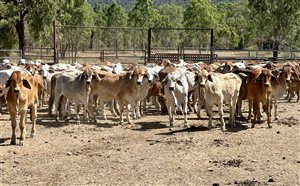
x: 187, y: 53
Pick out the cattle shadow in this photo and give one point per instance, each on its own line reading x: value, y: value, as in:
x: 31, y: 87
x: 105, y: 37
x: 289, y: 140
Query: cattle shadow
x: 145, y: 126
x: 190, y: 129
x: 3, y: 140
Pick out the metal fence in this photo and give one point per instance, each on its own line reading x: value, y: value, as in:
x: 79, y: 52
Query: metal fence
x: 11, y: 54
x: 92, y: 44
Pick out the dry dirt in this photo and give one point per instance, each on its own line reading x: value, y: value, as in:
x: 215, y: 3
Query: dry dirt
x: 148, y: 153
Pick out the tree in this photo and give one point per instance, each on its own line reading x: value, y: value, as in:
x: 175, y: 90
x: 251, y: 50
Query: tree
x: 234, y: 29
x: 199, y: 14
x: 74, y: 12
x: 169, y: 15
x: 17, y: 11
x: 279, y: 17
x: 100, y: 20
x: 116, y: 17
x: 142, y: 15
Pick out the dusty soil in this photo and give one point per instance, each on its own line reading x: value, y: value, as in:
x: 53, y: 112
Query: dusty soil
x: 148, y: 153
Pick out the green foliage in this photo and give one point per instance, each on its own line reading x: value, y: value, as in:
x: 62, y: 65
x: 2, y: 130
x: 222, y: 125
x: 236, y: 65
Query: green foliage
x: 234, y: 29
x: 143, y: 14
x: 74, y: 12
x: 200, y: 14
x: 277, y: 17
x: 237, y: 24
x: 169, y: 15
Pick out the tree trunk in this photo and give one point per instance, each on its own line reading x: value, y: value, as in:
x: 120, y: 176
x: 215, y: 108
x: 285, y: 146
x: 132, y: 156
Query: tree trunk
x: 275, y: 49
x: 21, y: 35
x: 92, y: 40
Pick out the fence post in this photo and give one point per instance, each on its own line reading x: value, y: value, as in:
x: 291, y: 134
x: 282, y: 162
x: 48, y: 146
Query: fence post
x: 211, y: 45
x: 54, y: 42
x: 256, y: 54
x: 149, y: 44
x: 249, y: 54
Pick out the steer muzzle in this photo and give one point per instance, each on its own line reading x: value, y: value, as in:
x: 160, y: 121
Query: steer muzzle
x: 88, y: 82
x: 16, y: 91
x: 288, y: 80
x: 267, y: 84
x: 171, y: 88
x: 138, y: 83
x: 202, y: 85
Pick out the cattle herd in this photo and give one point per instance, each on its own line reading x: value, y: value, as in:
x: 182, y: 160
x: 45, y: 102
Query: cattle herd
x: 174, y: 88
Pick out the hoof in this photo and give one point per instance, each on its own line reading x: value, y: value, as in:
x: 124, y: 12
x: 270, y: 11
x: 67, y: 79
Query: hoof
x: 13, y: 142
x: 252, y: 126
x: 269, y: 126
x: 32, y: 135
x: 21, y: 143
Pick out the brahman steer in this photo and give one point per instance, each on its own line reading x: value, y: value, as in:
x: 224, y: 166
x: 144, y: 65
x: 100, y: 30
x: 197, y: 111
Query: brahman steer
x: 75, y: 87
x: 176, y: 89
x: 22, y: 94
x: 121, y: 87
x: 219, y: 88
x: 259, y: 90
x: 279, y: 86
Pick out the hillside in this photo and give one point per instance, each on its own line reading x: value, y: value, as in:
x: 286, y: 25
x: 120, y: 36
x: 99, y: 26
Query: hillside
x: 130, y: 3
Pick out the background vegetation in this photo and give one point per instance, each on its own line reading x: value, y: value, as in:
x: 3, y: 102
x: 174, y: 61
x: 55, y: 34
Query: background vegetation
x: 240, y: 24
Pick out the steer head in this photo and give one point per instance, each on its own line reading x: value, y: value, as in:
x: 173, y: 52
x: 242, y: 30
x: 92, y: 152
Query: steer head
x: 87, y: 76
x: 16, y: 81
x: 202, y: 76
x: 262, y: 76
x: 138, y: 74
x: 172, y: 80
x: 286, y: 73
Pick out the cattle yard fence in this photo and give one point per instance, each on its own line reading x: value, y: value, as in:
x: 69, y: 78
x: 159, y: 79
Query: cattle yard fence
x: 90, y: 44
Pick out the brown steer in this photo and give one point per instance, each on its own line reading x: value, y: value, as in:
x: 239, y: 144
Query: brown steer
x: 22, y: 94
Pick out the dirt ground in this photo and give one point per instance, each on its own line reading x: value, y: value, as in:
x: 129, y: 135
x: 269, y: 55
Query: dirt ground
x: 148, y: 153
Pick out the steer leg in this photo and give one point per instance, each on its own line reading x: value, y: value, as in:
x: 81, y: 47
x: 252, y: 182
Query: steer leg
x: 77, y: 108
x: 22, y: 125
x: 298, y: 93
x: 210, y: 114
x: 255, y: 111
x: 250, y: 104
x: 171, y: 109
x: 185, y: 102
x: 13, y: 115
x: 128, y: 107
x: 121, y: 104
x: 33, y: 118
x: 221, y: 115
x: 91, y: 108
x: 268, y: 111
x: 112, y: 108
x: 275, y: 108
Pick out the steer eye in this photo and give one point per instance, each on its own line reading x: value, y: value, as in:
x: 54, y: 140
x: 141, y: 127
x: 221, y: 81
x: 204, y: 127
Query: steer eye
x: 179, y: 82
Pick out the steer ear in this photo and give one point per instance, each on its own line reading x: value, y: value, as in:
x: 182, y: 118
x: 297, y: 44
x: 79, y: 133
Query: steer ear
x: 164, y: 81
x: 7, y: 84
x: 274, y: 78
x: 26, y: 84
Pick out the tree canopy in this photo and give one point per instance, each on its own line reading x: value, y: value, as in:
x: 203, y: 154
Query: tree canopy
x: 254, y: 24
